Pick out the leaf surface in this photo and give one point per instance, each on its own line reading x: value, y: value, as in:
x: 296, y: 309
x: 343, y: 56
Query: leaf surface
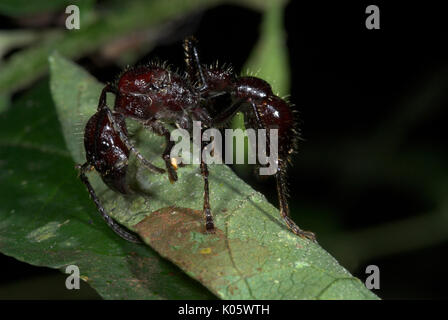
x: 47, y: 218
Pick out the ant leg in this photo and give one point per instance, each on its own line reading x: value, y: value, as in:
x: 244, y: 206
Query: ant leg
x: 228, y: 113
x: 160, y: 130
x: 282, y: 191
x: 103, y: 97
x: 117, y: 228
x: 209, y: 225
x: 127, y: 142
x: 194, y: 68
x: 284, y: 208
x: 280, y: 176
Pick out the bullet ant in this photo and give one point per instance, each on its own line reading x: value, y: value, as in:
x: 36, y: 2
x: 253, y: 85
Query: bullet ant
x: 154, y: 95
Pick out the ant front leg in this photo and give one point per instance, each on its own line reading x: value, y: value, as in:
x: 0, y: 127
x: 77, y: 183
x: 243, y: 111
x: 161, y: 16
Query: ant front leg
x: 209, y: 224
x: 123, y: 135
x: 117, y: 228
x: 103, y: 97
x: 160, y: 130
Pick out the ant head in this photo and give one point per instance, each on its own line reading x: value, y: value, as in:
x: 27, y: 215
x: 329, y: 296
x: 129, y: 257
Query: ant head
x: 106, y: 151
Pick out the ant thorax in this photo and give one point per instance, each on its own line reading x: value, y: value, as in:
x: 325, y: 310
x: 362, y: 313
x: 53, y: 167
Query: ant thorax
x: 154, y: 92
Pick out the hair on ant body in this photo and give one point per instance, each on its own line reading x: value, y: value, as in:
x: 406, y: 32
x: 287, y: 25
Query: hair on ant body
x: 155, y: 96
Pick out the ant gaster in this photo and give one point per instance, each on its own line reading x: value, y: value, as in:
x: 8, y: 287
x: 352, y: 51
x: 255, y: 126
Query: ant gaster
x: 154, y: 95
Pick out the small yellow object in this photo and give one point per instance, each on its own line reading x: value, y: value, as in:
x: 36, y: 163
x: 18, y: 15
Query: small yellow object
x: 174, y: 163
x: 85, y: 278
x: 206, y: 251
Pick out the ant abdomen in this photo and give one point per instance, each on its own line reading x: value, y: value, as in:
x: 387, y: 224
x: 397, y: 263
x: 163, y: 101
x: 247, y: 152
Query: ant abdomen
x: 106, y: 151
x: 252, y: 88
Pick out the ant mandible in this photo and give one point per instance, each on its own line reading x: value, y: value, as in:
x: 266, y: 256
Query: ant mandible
x: 154, y: 95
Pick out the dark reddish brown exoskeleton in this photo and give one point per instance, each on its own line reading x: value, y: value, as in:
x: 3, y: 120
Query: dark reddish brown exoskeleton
x: 155, y: 96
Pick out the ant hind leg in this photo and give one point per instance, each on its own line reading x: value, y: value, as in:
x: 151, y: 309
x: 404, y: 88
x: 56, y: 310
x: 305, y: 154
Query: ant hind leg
x: 209, y: 224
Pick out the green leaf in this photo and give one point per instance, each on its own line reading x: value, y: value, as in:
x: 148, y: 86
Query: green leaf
x: 27, y: 65
x: 269, y: 59
x: 47, y: 218
x: 97, y: 29
x: 26, y: 7
x: 252, y: 256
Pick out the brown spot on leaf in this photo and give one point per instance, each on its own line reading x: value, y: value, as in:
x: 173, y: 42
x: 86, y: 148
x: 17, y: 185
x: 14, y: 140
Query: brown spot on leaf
x: 179, y: 235
x: 233, y: 289
x: 179, y: 221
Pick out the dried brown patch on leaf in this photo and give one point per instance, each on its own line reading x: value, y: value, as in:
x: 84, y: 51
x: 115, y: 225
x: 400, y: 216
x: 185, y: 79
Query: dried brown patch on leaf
x: 179, y: 235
